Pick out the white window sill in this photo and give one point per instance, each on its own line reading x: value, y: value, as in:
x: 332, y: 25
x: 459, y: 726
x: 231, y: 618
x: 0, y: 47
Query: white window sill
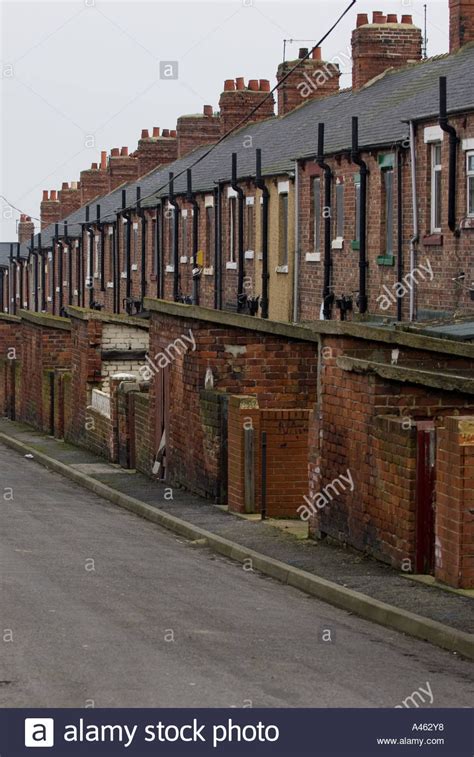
x: 64, y: 283
x: 50, y: 299
x: 110, y: 285
x: 260, y: 256
x: 249, y: 255
x: 281, y: 269
x: 96, y: 275
x: 231, y: 265
x: 337, y: 244
x: 134, y: 267
x: 209, y: 271
x: 183, y: 259
x: 169, y: 269
x: 313, y: 257
x: 76, y: 293
x: 123, y: 275
x: 57, y: 289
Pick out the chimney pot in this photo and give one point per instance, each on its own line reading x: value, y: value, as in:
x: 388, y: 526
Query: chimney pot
x: 362, y: 19
x: 229, y: 85
x: 165, y: 133
x: 94, y: 166
x: 207, y: 110
x: 22, y: 218
x: 377, y: 17
x: 74, y: 185
x: 317, y: 53
x: 45, y: 195
x: 65, y: 185
x: 145, y: 134
x: 392, y: 18
x: 53, y: 195
x: 156, y: 131
x: 240, y: 83
x: 124, y: 151
x: 407, y: 20
x: 254, y: 85
x: 103, y: 160
x: 173, y: 133
x: 303, y: 52
x: 264, y: 85
x: 115, y: 152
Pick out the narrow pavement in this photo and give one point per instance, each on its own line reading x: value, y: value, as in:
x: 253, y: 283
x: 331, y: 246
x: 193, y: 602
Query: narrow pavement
x: 100, y: 608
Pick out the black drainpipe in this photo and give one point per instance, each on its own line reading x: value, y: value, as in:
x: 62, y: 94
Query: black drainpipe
x: 196, y: 271
x: 453, y: 144
x: 20, y: 276
x: 68, y: 242
x: 158, y: 249
x: 399, y: 229
x: 357, y: 160
x: 328, y: 296
x: 172, y: 201
x: 240, y: 243
x: 78, y: 272
x: 43, y: 255
x: 35, y: 273
x: 13, y: 276
x: 218, y: 247
x: 260, y: 184
x: 143, y: 248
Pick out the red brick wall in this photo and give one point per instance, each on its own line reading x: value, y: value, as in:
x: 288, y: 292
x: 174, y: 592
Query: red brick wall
x: 46, y: 347
x: 278, y: 371
x: 86, y: 365
x: 455, y: 503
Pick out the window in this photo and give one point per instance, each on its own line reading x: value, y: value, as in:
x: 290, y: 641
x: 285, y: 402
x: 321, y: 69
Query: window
x: 170, y: 217
x: 317, y: 214
x: 135, y: 243
x: 388, y: 190
x: 232, y: 229
x: 436, y: 197
x: 210, y: 234
x: 184, y: 234
x: 96, y: 255
x: 357, y: 207
x: 283, y: 229
x: 250, y: 225
x: 470, y: 184
x: 340, y: 209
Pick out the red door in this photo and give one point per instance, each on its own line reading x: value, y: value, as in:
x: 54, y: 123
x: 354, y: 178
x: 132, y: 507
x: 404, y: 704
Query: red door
x: 425, y: 497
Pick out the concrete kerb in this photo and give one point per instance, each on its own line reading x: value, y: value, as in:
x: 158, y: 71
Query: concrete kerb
x: 346, y: 599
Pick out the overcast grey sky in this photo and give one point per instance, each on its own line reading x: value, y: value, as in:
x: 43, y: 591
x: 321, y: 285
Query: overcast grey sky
x: 82, y: 72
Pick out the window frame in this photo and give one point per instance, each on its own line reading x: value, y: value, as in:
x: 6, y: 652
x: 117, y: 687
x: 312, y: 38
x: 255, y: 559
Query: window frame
x: 233, y: 222
x: 317, y: 225
x: 469, y: 180
x: 339, y: 220
x: 283, y: 229
x: 389, y: 211
x: 436, y: 169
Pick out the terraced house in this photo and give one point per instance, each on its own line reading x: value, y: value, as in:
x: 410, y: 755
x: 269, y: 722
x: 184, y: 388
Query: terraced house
x: 321, y: 258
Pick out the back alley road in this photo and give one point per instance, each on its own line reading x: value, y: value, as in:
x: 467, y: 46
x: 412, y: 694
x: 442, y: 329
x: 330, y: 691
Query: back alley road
x: 98, y: 606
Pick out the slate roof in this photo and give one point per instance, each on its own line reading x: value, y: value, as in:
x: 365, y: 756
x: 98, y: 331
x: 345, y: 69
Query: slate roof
x: 5, y: 252
x: 383, y: 107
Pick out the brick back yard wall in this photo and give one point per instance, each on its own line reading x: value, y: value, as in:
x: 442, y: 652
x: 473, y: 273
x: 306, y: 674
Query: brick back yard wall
x: 367, y: 427
x: 10, y: 353
x: 280, y: 372
x: 46, y: 346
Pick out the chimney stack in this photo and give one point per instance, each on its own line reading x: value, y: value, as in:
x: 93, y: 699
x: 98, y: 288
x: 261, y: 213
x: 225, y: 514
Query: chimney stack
x: 26, y: 228
x: 461, y: 23
x: 237, y: 101
x: 197, y: 130
x: 122, y: 168
x: 385, y: 43
x: 50, y: 209
x: 156, y: 150
x: 69, y: 199
x: 94, y: 182
x: 312, y: 80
